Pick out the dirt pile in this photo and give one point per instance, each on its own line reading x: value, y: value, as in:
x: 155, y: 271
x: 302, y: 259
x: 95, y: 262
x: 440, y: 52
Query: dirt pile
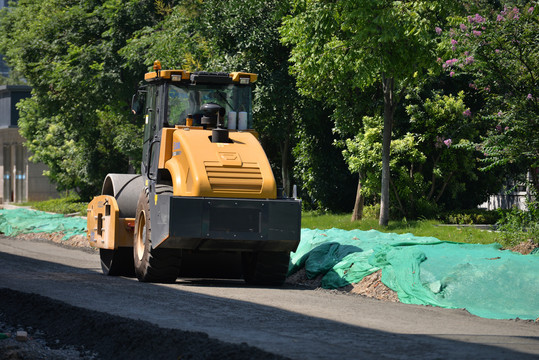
x: 79, y: 241
x: 525, y: 247
x: 370, y: 286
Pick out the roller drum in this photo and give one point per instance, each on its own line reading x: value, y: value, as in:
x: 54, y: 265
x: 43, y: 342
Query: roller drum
x: 126, y: 189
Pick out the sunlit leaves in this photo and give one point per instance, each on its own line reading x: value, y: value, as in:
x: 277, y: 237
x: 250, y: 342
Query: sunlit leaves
x: 68, y: 53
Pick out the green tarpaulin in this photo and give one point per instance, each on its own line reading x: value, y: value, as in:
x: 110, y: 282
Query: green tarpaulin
x: 483, y: 279
x: 24, y: 221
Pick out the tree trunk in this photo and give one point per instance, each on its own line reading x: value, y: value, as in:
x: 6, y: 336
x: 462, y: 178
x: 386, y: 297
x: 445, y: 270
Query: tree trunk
x: 411, y: 198
x: 433, y: 178
x: 357, y: 214
x: 388, y: 87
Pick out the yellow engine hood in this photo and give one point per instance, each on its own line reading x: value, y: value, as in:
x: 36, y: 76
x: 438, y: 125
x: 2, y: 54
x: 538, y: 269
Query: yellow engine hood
x: 199, y: 167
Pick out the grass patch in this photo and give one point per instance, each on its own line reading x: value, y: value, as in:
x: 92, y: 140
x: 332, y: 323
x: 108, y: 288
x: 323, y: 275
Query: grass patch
x: 69, y: 204
x: 471, y: 235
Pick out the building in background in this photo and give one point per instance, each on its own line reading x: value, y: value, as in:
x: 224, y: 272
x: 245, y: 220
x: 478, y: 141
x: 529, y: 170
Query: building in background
x: 514, y: 194
x: 22, y: 180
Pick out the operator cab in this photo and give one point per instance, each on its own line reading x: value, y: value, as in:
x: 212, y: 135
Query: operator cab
x: 233, y: 100
x: 216, y: 101
x: 192, y: 95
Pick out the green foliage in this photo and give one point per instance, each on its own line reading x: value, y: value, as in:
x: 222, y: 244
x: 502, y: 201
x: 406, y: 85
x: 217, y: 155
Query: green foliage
x: 432, y: 160
x: 443, y: 108
x: 344, y: 45
x: 85, y: 58
x: 175, y: 41
x: 363, y: 154
x: 446, y: 130
x: 77, y: 121
x: 518, y: 225
x: 68, y: 204
x: 12, y: 79
x: 371, y: 212
x: 341, y: 47
x: 322, y: 173
x: 469, y: 217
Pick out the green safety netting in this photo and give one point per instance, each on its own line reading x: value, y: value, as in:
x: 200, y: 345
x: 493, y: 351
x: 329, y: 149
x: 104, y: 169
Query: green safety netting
x: 25, y: 221
x: 483, y: 279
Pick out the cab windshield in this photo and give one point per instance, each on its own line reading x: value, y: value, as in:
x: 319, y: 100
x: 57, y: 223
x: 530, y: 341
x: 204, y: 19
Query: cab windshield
x: 187, y: 100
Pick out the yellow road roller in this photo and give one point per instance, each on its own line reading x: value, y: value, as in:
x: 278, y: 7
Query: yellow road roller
x: 206, y: 204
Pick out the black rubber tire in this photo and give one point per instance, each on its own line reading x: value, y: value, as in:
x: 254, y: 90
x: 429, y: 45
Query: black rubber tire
x: 151, y: 265
x: 265, y: 268
x: 118, y: 262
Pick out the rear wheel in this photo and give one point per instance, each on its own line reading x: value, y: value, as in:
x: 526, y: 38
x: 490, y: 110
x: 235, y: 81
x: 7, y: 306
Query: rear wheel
x: 265, y: 268
x: 117, y: 262
x: 151, y: 265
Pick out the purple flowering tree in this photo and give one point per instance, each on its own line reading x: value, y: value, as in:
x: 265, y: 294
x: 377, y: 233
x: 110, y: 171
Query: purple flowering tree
x: 499, y: 49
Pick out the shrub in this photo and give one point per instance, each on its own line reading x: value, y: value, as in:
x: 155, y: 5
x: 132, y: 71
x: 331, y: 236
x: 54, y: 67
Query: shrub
x: 68, y: 204
x: 425, y: 209
x: 517, y: 225
x: 470, y: 216
x: 371, y: 211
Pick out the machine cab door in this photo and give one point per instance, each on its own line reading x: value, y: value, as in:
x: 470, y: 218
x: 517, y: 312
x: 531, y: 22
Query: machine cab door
x: 152, y: 127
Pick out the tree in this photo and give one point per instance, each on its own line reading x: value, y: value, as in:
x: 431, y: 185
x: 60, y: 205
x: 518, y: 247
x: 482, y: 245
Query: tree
x: 326, y: 182
x: 499, y: 49
x: 176, y: 40
x: 339, y: 47
x: 447, y: 129
x: 77, y: 120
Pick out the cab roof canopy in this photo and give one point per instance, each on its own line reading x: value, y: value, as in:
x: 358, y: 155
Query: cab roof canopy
x: 200, y: 76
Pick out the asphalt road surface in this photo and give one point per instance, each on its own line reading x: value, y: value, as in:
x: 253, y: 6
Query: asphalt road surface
x: 289, y: 321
